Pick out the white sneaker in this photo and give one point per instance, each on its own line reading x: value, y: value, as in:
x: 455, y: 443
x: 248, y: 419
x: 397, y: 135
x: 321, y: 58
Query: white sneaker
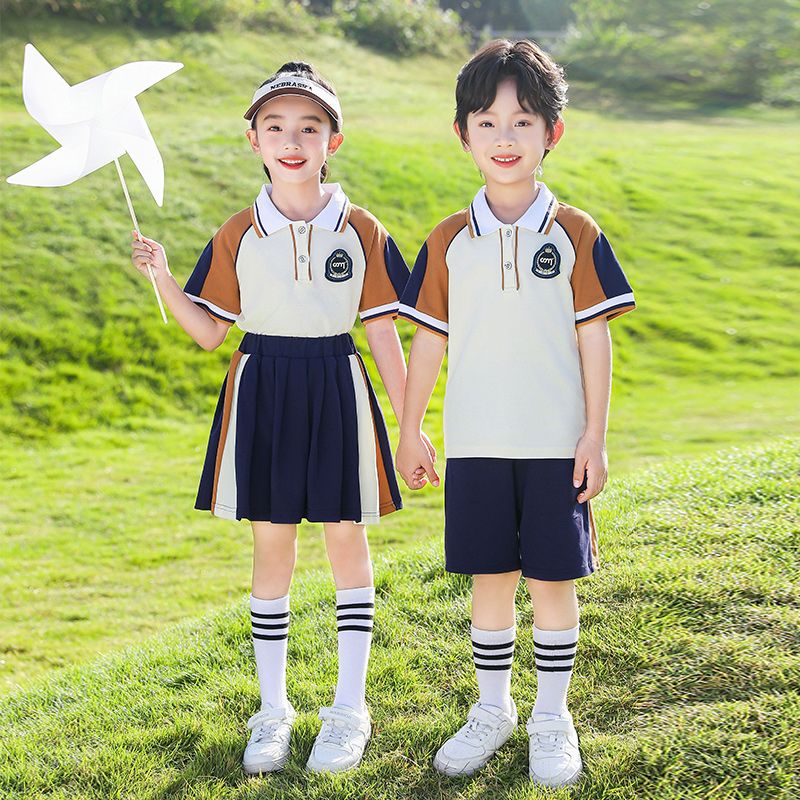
x: 340, y: 742
x: 553, y: 758
x: 487, y: 729
x: 268, y: 748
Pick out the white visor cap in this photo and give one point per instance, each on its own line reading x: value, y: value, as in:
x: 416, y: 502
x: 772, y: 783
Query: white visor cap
x: 289, y: 83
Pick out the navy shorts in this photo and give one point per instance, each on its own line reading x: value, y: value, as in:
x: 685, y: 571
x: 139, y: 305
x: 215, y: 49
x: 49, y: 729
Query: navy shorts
x: 505, y: 514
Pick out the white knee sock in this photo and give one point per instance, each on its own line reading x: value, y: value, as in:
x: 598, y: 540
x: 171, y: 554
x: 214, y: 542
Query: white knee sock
x: 270, y: 623
x: 555, y: 656
x: 355, y: 610
x: 493, y: 653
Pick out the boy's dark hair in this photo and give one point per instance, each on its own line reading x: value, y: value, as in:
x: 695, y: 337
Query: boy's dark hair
x: 306, y: 71
x: 541, y: 87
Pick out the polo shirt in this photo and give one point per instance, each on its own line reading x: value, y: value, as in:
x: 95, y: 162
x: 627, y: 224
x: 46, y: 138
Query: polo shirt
x: 275, y: 276
x: 509, y: 297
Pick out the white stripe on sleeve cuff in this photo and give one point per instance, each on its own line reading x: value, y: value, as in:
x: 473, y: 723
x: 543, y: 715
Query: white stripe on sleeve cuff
x: 413, y: 314
x: 377, y: 311
x: 200, y: 301
x: 611, y: 302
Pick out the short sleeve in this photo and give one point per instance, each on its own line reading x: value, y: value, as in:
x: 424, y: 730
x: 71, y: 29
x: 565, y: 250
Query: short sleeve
x: 425, y: 299
x: 599, y: 286
x: 213, y: 284
x: 385, y: 278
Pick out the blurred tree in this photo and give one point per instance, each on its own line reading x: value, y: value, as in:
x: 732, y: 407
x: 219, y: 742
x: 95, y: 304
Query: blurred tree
x: 519, y: 15
x: 719, y: 50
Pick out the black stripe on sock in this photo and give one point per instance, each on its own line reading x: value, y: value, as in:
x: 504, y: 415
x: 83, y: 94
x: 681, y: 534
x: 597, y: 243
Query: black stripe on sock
x: 355, y: 628
x: 493, y: 666
x: 553, y: 669
x: 269, y: 616
x: 554, y: 646
x: 277, y: 627
x: 553, y: 658
x: 342, y: 606
x: 493, y: 657
x: 356, y: 616
x: 492, y: 646
x: 270, y: 636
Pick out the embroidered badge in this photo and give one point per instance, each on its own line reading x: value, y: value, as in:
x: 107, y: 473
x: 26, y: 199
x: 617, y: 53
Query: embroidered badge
x: 339, y: 266
x: 547, y: 261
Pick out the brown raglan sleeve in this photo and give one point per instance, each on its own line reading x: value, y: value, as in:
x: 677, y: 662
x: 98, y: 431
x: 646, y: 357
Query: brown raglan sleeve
x: 386, y: 271
x: 425, y: 299
x: 213, y: 284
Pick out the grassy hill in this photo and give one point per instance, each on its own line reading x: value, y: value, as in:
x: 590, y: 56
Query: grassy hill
x: 104, y: 410
x: 686, y: 682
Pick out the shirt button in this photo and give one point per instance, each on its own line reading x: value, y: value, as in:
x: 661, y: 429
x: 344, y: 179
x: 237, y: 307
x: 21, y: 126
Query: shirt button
x: 302, y: 259
x: 508, y: 232
x: 508, y: 265
x: 301, y: 229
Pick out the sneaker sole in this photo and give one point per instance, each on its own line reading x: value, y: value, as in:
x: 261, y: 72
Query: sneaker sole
x: 569, y: 782
x: 454, y: 772
x: 314, y: 767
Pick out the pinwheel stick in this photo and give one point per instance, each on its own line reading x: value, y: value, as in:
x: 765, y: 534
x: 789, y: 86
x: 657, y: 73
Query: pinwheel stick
x: 139, y: 237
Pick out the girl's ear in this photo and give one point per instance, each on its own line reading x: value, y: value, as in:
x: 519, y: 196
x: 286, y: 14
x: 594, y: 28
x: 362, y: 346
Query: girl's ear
x: 252, y: 137
x: 463, y: 140
x: 335, y: 142
x: 558, y: 132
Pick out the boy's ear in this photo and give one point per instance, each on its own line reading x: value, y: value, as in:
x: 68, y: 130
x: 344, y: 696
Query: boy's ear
x: 462, y: 139
x: 335, y: 142
x: 558, y: 132
x: 252, y: 137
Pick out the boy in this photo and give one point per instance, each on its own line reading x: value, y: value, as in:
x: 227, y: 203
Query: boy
x: 522, y: 288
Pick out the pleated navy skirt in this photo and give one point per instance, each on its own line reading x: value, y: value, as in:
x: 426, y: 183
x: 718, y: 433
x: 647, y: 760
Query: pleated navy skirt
x: 298, y: 434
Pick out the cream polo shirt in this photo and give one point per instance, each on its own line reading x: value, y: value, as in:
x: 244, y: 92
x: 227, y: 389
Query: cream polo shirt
x: 509, y: 297
x: 271, y: 275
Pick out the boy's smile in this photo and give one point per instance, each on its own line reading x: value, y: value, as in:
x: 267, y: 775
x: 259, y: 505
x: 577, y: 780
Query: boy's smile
x: 508, y: 140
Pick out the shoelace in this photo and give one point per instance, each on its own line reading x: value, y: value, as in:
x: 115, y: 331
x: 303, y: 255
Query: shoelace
x: 475, y: 729
x: 549, y: 742
x: 267, y: 729
x: 333, y: 732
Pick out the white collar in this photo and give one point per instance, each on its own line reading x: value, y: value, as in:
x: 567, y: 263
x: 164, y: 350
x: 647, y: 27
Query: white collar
x: 537, y: 217
x: 333, y: 216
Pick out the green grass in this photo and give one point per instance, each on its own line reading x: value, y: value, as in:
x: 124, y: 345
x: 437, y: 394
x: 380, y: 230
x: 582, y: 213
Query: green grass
x: 685, y: 685
x: 103, y: 521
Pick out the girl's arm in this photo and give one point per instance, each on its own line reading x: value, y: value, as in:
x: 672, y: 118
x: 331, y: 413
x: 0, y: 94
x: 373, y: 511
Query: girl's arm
x: 207, y: 332
x: 386, y: 349
x: 424, y: 362
x: 594, y: 345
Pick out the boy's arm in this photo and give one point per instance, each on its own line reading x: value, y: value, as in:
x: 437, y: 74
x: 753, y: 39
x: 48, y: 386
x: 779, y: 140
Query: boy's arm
x: 207, y: 332
x: 594, y: 345
x: 424, y: 363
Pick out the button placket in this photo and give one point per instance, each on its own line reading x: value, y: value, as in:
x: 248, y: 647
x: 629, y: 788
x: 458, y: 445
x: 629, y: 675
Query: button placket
x: 508, y: 258
x: 300, y: 232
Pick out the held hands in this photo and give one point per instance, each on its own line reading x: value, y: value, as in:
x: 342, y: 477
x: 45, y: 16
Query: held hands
x: 415, y: 459
x: 149, y: 252
x: 590, y: 460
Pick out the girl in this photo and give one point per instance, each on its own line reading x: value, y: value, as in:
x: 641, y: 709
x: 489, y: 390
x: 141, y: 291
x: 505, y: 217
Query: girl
x: 298, y: 433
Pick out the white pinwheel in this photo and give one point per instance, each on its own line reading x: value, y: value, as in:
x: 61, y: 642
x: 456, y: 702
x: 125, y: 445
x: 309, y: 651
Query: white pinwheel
x: 95, y: 122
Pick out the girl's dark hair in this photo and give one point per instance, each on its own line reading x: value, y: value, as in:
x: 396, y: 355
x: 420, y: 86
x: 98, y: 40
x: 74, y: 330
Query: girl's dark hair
x: 307, y: 71
x: 541, y: 87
